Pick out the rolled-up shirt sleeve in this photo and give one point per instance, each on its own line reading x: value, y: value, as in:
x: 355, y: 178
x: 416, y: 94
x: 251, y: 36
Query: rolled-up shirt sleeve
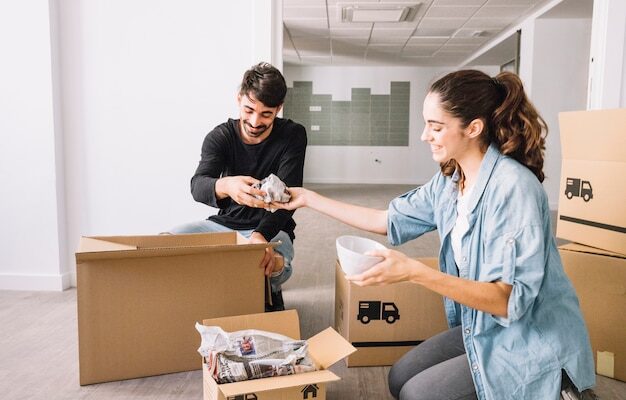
x: 522, y: 266
x: 412, y: 214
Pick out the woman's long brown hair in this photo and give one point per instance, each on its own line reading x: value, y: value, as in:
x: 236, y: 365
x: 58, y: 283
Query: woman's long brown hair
x: 511, y: 121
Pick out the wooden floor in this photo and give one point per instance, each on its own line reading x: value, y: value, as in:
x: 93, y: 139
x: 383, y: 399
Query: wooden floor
x: 38, y: 338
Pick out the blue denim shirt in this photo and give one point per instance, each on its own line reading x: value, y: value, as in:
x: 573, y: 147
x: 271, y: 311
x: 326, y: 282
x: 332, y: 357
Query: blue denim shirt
x: 509, y: 240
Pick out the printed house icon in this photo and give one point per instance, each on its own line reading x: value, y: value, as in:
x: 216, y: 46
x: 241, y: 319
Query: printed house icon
x: 309, y: 389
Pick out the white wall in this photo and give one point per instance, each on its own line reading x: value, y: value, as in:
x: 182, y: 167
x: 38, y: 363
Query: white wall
x: 144, y: 82
x: 356, y: 164
x: 31, y: 247
x: 559, y: 83
x: 136, y: 86
x: 607, y: 78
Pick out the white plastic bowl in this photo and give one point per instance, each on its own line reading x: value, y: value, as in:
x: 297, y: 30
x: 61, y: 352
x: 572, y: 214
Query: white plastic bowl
x: 351, y: 252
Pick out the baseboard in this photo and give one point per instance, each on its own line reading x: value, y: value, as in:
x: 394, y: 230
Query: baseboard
x: 39, y: 282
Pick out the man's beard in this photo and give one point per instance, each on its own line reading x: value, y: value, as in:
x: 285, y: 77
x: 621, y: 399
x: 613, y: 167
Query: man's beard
x: 259, y: 130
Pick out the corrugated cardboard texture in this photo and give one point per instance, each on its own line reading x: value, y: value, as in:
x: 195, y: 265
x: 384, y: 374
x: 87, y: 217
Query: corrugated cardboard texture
x: 600, y: 283
x: 375, y: 330
x: 592, y: 194
x: 278, y: 385
x: 327, y: 347
x: 311, y: 391
x: 139, y: 298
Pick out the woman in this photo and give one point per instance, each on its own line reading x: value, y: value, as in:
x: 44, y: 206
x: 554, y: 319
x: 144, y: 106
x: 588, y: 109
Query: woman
x: 516, y: 331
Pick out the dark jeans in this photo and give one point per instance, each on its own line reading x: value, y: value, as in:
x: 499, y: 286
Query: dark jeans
x: 437, y: 369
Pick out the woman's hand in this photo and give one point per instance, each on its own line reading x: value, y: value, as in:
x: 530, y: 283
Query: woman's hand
x: 298, y: 199
x: 489, y: 297
x: 395, y: 267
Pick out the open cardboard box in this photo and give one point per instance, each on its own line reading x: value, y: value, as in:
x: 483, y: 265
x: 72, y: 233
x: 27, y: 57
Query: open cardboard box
x: 593, y: 194
x: 139, y: 297
x: 384, y: 322
x: 325, y: 348
x: 599, y: 278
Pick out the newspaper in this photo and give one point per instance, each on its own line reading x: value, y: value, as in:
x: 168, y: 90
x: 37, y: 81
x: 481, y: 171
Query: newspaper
x: 251, y: 354
x: 275, y: 189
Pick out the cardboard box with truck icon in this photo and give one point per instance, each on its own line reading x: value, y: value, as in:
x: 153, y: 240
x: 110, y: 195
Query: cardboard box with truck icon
x: 384, y: 322
x: 592, y: 195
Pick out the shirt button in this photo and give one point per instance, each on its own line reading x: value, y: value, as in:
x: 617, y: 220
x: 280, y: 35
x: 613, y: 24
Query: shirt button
x: 467, y: 331
x: 475, y: 367
x: 464, y: 259
x: 510, y: 241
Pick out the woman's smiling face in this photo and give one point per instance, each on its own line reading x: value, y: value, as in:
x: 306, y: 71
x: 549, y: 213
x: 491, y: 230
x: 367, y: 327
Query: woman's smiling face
x: 443, y: 132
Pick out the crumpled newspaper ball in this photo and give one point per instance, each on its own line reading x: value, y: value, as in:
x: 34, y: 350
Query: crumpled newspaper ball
x: 275, y: 189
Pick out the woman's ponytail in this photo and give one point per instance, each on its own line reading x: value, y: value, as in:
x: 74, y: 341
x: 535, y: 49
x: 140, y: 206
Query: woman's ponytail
x: 518, y: 129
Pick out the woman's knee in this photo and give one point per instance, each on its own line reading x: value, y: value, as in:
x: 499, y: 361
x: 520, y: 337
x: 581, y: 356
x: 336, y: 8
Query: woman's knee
x: 396, y: 379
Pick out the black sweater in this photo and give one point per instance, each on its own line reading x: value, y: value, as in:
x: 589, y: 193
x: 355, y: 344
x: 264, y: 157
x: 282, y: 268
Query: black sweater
x: 225, y: 154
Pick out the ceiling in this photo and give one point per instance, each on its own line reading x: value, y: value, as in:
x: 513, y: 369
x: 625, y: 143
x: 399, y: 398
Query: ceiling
x: 439, y: 33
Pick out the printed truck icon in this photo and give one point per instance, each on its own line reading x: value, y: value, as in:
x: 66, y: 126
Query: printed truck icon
x: 579, y: 188
x: 370, y: 310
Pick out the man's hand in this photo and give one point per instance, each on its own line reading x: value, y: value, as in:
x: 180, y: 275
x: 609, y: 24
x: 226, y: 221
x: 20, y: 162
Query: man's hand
x: 267, y: 263
x: 239, y: 188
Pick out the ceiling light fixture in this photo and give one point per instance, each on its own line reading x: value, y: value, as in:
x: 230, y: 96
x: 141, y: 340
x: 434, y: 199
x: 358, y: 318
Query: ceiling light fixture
x: 434, y: 32
x: 480, y: 34
x: 468, y: 33
x: 379, y: 12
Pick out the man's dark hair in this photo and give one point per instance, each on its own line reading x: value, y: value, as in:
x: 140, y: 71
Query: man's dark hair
x: 265, y: 83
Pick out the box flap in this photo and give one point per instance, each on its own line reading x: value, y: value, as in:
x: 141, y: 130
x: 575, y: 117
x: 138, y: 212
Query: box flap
x: 88, y: 245
x: 578, y: 127
x: 282, y: 322
x: 588, y: 249
x: 117, y: 247
x: 277, y: 382
x: 328, y: 347
x: 177, y: 240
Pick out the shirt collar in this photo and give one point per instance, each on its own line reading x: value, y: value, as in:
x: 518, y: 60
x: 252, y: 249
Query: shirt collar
x: 486, y: 168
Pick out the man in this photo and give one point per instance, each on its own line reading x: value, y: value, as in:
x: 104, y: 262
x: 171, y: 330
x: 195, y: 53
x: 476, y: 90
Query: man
x: 238, y: 154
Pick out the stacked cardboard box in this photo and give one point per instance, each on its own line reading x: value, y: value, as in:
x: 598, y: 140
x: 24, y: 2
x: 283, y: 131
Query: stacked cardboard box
x: 592, y: 214
x: 140, y: 296
x: 384, y: 322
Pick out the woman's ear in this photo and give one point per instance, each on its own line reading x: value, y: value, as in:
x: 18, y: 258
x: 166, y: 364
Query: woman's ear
x: 475, y: 128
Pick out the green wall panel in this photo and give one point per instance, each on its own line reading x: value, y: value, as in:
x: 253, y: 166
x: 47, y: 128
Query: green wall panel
x: 365, y: 120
